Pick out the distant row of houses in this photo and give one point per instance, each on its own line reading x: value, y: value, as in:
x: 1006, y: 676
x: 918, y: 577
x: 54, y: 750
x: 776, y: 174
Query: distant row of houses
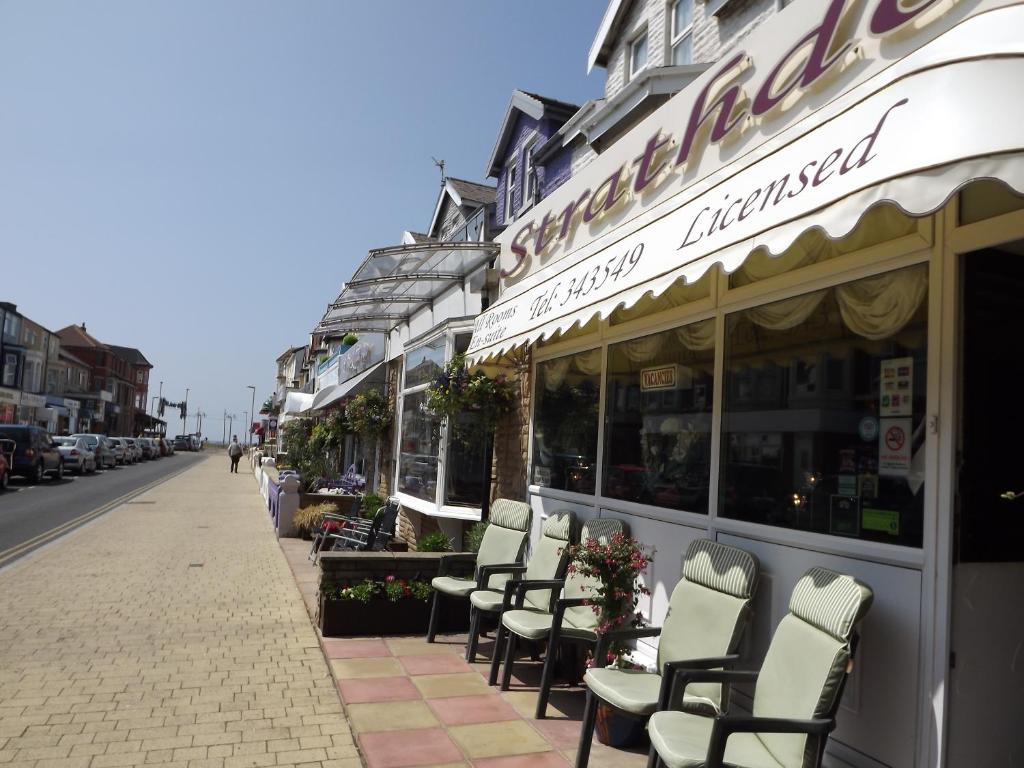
x: 69, y: 381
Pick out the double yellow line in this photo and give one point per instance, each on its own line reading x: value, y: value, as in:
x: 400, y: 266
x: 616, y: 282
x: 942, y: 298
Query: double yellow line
x: 10, y: 554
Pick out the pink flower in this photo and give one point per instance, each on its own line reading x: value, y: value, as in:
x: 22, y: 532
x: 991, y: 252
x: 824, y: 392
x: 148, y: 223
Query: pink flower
x: 389, y: 579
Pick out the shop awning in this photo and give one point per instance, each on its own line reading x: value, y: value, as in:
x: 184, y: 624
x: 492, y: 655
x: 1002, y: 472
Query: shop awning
x: 392, y: 283
x: 906, y: 119
x: 297, y: 403
x: 332, y: 394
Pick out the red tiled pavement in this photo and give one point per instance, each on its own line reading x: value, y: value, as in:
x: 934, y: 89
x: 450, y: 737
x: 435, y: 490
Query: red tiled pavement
x: 466, y: 710
x: 424, y: 746
x: 365, y: 690
x: 354, y: 649
x: 435, y: 664
x: 562, y: 734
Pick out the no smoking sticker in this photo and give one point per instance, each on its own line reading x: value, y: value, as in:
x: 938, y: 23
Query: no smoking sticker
x: 894, y: 447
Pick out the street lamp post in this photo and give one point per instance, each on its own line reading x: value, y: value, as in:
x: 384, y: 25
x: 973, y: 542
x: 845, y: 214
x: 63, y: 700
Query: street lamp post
x: 252, y: 416
x: 184, y: 426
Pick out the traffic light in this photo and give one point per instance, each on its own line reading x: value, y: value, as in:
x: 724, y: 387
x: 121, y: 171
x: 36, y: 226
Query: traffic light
x: 160, y: 410
x: 183, y: 412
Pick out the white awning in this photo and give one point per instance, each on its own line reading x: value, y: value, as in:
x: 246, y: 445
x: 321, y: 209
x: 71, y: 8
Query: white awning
x: 912, y: 133
x: 297, y: 403
x: 333, y: 393
x: 394, y: 282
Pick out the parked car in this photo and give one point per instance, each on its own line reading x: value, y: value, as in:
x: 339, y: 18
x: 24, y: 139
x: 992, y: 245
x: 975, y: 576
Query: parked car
x: 136, y: 449
x: 99, y: 445
x: 182, y: 443
x: 35, y: 453
x: 149, y: 448
x: 78, y: 458
x: 6, y: 460
x: 196, y: 445
x: 120, y: 450
x: 170, y: 446
x: 162, y: 445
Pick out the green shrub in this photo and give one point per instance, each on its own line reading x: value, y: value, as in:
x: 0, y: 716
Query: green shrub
x: 350, y: 339
x: 475, y: 536
x: 370, y: 503
x: 434, y: 542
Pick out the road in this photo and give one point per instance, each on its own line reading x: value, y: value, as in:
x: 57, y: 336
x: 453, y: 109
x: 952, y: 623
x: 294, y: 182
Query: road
x: 34, y: 515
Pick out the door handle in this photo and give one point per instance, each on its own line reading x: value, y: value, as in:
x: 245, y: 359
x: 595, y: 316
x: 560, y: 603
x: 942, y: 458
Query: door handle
x: 1010, y: 495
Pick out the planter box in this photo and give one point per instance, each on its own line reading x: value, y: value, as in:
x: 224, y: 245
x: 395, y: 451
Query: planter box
x: 351, y: 618
x: 347, y: 618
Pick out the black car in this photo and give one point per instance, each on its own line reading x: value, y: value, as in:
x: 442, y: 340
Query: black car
x: 35, y: 453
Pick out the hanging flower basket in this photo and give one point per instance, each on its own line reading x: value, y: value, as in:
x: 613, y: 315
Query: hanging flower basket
x: 457, y: 391
x: 369, y: 414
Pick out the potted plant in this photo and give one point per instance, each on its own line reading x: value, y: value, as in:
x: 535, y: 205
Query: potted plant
x: 616, y: 566
x: 385, y: 606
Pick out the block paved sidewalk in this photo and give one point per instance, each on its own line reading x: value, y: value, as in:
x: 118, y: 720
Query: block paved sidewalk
x: 171, y: 633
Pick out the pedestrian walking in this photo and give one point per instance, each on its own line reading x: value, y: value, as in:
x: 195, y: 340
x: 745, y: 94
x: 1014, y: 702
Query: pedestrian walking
x: 235, y: 452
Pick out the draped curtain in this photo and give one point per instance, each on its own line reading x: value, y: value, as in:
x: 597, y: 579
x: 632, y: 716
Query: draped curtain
x: 879, y: 307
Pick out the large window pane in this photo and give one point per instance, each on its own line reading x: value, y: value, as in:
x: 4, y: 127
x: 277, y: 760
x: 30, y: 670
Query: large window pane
x: 566, y: 397
x: 658, y: 418
x: 824, y: 410
x: 420, y: 440
x: 464, y: 472
x: 424, y: 364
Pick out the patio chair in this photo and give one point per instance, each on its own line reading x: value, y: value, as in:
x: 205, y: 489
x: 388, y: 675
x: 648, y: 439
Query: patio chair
x: 333, y: 522
x: 547, y: 563
x: 796, y: 693
x: 502, y: 545
x: 708, y: 611
x: 375, y: 537
x: 571, y: 620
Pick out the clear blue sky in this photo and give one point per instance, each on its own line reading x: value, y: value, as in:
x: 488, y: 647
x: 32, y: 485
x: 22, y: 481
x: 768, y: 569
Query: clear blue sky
x: 196, y: 178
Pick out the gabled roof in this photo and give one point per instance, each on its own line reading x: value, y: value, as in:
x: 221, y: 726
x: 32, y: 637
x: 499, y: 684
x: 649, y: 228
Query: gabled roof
x: 412, y: 238
x: 130, y: 354
x: 462, y: 193
x: 611, y: 24
x: 76, y: 336
x: 470, y: 193
x: 532, y: 105
x: 289, y: 351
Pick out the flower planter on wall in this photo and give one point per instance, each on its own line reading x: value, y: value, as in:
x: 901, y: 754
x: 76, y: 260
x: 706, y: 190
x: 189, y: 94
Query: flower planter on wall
x: 379, y: 616
x: 352, y: 618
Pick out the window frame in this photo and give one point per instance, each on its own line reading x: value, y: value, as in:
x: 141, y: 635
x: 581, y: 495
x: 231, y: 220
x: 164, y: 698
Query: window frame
x: 903, y: 251
x: 631, y: 69
x: 437, y: 507
x: 529, y: 177
x: 509, y: 213
x: 675, y: 36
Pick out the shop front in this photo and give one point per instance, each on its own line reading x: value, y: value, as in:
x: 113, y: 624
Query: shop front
x: 777, y: 314
x: 10, y: 399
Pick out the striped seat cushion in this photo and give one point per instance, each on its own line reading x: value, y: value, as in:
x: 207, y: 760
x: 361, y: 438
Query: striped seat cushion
x: 510, y: 514
x: 833, y: 602
x: 721, y: 568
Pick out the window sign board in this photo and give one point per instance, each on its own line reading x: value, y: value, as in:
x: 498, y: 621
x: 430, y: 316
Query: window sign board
x: 844, y: 515
x: 894, y: 447
x: 665, y: 377
x: 897, y: 387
